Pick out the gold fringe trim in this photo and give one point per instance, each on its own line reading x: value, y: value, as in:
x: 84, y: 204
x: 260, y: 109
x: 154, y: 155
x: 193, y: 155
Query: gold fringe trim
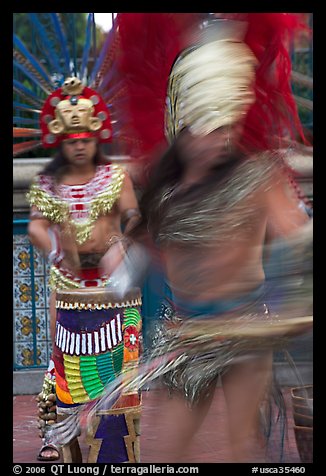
x: 91, y: 306
x: 58, y: 280
x: 52, y: 208
x: 57, y: 210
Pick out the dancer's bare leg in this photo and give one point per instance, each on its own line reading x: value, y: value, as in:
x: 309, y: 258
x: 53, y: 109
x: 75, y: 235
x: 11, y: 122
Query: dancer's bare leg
x: 245, y: 386
x: 178, y: 423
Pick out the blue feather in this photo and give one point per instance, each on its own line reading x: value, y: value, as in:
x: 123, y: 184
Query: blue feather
x: 34, y: 62
x: 31, y: 76
x: 25, y: 107
x: 63, y: 41
x: 87, y: 45
x: 24, y: 120
x: 48, y: 47
x: 101, y: 56
x: 20, y: 88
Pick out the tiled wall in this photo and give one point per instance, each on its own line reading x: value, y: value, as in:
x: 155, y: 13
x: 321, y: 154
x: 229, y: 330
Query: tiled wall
x: 32, y: 344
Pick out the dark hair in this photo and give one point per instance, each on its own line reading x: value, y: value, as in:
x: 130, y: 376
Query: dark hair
x: 59, y: 162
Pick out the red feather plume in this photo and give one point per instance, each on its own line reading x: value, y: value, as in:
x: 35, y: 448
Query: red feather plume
x: 274, y: 115
x: 148, y: 46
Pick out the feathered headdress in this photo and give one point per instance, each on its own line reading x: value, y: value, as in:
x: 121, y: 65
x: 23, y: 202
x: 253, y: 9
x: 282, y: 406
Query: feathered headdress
x: 56, y: 94
x: 153, y: 44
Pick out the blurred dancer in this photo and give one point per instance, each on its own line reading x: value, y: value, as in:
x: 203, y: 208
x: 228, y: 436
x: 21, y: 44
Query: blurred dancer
x: 217, y: 193
x: 81, y: 206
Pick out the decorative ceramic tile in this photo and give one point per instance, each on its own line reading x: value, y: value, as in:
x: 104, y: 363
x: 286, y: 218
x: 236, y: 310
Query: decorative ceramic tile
x: 46, y: 267
x: 39, y: 283
x: 39, y: 263
x: 44, y: 349
x: 24, y: 326
x: 25, y: 355
x: 21, y: 263
x: 47, y: 292
x: 43, y: 316
x: 24, y: 298
x: 23, y: 294
x: 20, y: 239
